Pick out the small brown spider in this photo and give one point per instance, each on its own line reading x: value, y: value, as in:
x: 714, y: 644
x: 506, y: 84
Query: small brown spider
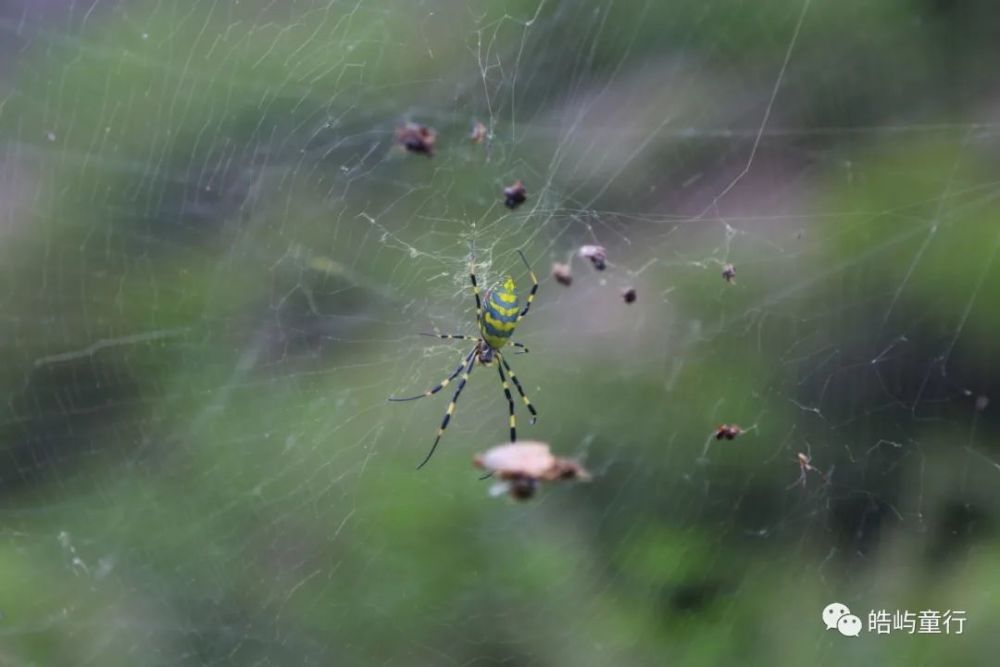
x: 478, y: 134
x: 729, y: 273
x: 417, y: 138
x: 629, y: 295
x: 728, y: 432
x: 521, y: 466
x: 561, y: 272
x: 514, y: 195
x: 597, y: 255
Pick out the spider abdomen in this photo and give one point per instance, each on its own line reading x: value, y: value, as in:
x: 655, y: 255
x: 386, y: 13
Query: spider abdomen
x: 500, y: 311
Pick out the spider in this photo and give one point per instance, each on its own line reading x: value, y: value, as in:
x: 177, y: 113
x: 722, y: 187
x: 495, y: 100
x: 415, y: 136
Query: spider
x: 497, y: 315
x: 805, y: 467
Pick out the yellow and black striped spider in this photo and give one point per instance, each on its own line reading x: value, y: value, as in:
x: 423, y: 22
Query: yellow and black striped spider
x: 497, y: 321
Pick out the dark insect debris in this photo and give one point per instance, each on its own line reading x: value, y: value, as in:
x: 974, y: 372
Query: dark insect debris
x: 728, y: 432
x: 561, y: 272
x: 514, y: 195
x: 478, y: 134
x: 522, y: 466
x: 597, y: 255
x: 417, y: 138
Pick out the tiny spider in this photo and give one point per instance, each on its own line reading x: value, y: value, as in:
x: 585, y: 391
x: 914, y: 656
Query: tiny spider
x: 805, y: 467
x: 497, y: 315
x: 522, y: 466
x: 629, y: 295
x: 728, y: 431
x: 729, y: 273
x: 417, y: 138
x: 514, y: 195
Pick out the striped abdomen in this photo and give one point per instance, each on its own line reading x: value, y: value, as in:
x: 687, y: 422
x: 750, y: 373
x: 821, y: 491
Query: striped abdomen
x: 500, y: 310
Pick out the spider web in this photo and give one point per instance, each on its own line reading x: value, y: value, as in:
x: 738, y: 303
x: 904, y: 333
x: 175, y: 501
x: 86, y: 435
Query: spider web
x: 218, y: 264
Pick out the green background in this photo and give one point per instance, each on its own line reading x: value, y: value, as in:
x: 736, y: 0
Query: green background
x: 216, y: 266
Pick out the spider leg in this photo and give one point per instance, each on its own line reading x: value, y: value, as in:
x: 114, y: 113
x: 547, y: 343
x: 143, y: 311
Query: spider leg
x: 475, y: 285
x: 451, y: 336
x: 510, y: 403
x: 801, y: 481
x: 520, y: 389
x: 534, y: 288
x: 435, y: 389
x: 524, y: 348
x: 451, y: 408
